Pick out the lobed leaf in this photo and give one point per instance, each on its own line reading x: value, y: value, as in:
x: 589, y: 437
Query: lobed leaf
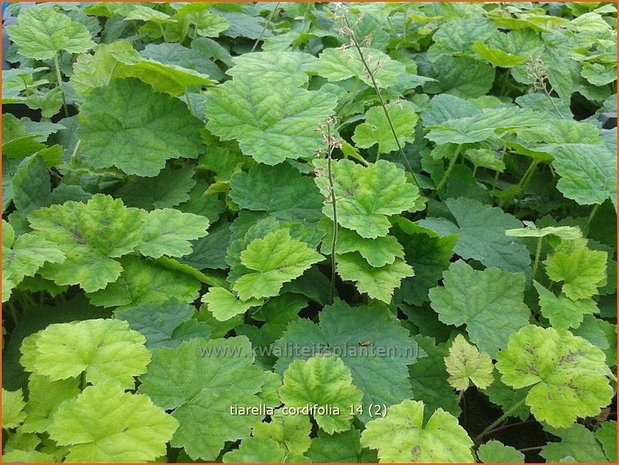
x: 367, y: 196
x: 271, y: 124
x: 131, y: 127
x: 568, y: 375
x: 479, y: 299
x: 403, y: 436
x: 41, y: 33
x: 132, y: 430
x: 325, y: 382
x: 199, y: 382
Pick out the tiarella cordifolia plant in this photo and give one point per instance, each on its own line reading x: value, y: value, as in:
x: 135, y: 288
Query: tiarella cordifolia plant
x: 297, y: 232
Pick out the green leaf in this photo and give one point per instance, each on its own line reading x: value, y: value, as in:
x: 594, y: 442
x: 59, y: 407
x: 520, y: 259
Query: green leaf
x: 105, y: 351
x: 199, y: 382
x: 560, y: 133
x: 581, y: 270
x: 280, y: 191
x: 210, y: 251
x: 225, y: 305
x: 431, y: 255
x: 273, y: 68
x: 339, y: 448
x: 377, y: 252
x: 376, y: 128
x: 188, y: 58
x: 490, y: 124
x: 44, y: 397
x: 445, y: 107
x: 278, y: 312
x: 337, y: 64
x: 42, y: 33
x: 168, y: 232
x: 23, y: 257
x: 19, y: 440
x: 598, y: 74
x: 171, y: 79
x: 568, y: 375
x: 132, y: 430
x: 607, y: 436
x: 478, y: 299
x: 49, y: 102
x: 459, y: 34
x: 31, y: 185
x: 271, y: 123
x: 402, y: 436
x: 164, y: 325
x: 367, y: 195
x: 323, y: 381
x: 30, y: 456
x: 96, y: 70
x: 577, y: 442
x: 248, y: 227
x: 563, y: 313
x: 497, y: 452
x: 129, y: 126
x: 291, y: 432
x: 461, y: 76
x: 120, y: 60
x: 13, y: 405
x: 377, y: 283
x: 481, y: 230
x: 484, y: 158
x: 256, y: 450
x: 508, y: 399
x: 588, y: 173
x: 497, y: 57
x: 276, y: 315
x: 207, y: 23
x: 466, y: 365
x: 429, y: 378
x: 144, y: 282
x: 568, y: 233
x: 169, y: 188
x: 273, y: 261
x: 368, y: 339
x: 76, y: 229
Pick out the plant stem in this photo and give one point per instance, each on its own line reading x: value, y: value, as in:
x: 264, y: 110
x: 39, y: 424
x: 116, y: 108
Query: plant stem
x: 370, y: 74
x: 334, y: 205
x: 59, y: 78
x: 529, y: 449
x: 594, y: 210
x: 83, y: 382
x: 460, y: 395
x: 490, y: 428
x: 13, y: 313
x: 450, y: 168
x: 189, y: 104
x: 269, y: 18
x: 163, y: 34
x: 538, y: 252
x: 528, y: 174
x: 75, y: 149
x: 552, y: 101
x: 173, y: 265
x: 511, y: 425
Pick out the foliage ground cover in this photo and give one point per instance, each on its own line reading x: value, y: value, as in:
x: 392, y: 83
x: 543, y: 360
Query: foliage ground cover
x: 298, y: 232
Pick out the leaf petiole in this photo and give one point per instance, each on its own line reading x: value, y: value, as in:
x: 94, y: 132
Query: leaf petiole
x: 538, y: 251
x: 450, y: 168
x: 490, y: 428
x: 59, y: 78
